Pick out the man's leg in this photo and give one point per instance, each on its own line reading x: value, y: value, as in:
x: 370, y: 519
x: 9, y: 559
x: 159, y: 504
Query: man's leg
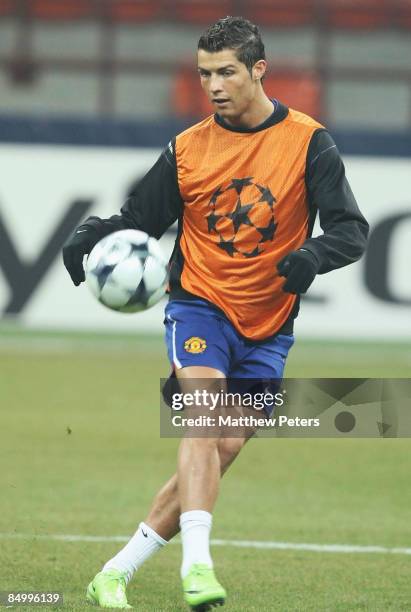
x: 163, y: 520
x: 199, y: 472
x: 161, y: 524
x: 165, y: 511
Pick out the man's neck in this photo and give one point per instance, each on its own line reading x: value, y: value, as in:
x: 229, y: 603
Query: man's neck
x: 255, y: 115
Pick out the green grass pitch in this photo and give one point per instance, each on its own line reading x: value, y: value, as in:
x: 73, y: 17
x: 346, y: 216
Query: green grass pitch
x: 80, y: 453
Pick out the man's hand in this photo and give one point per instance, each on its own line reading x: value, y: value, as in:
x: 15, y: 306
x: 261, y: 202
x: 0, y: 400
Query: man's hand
x: 79, y: 244
x: 300, y: 268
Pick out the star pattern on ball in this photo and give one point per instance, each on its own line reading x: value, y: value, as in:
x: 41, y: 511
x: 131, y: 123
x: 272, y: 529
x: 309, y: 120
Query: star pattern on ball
x: 215, y: 196
x: 212, y: 220
x: 240, y: 215
x: 227, y: 246
x: 253, y: 253
x: 267, y: 233
x: 243, y: 230
x: 266, y: 195
x: 238, y: 184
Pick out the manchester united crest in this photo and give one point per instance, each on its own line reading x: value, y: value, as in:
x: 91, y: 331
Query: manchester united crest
x: 195, y: 345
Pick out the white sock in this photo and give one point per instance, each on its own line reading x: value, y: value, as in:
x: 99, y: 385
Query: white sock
x: 195, y: 535
x: 144, y: 543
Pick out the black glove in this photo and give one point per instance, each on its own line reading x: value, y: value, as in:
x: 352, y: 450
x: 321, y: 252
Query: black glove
x: 79, y: 244
x: 300, y: 268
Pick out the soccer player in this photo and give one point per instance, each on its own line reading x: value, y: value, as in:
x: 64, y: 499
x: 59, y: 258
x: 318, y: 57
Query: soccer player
x: 245, y: 185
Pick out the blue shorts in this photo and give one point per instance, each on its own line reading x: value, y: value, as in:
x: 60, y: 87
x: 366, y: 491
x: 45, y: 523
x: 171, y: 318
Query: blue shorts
x: 199, y: 335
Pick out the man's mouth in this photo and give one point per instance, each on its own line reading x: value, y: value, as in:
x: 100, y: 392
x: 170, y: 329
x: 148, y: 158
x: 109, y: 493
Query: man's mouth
x: 220, y: 101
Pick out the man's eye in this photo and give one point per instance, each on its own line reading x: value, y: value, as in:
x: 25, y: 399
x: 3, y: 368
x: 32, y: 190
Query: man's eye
x: 227, y: 73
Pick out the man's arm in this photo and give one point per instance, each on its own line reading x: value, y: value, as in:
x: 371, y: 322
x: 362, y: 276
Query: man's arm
x: 155, y: 204
x: 345, y: 229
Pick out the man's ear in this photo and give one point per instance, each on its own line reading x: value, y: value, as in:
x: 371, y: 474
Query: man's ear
x: 258, y: 70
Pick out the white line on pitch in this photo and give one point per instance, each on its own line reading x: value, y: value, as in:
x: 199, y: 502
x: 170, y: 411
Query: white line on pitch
x: 331, y: 548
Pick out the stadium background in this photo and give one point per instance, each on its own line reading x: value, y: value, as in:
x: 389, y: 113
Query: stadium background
x: 90, y: 91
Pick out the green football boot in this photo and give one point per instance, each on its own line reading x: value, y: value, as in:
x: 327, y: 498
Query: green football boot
x: 201, y: 589
x: 108, y: 590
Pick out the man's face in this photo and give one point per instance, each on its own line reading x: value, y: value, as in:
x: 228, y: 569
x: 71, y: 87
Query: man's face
x: 227, y: 82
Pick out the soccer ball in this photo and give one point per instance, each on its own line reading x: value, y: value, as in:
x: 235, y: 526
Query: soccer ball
x: 127, y: 271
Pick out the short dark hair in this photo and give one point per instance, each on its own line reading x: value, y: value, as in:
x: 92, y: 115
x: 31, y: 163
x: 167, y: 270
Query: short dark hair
x: 234, y: 33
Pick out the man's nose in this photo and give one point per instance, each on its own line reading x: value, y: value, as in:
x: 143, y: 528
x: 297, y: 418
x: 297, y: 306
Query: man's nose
x: 215, y: 84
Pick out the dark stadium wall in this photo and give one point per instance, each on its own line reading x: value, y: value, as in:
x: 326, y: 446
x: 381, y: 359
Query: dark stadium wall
x: 120, y: 133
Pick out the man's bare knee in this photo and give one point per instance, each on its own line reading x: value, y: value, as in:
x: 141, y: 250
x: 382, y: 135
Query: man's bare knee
x: 228, y: 449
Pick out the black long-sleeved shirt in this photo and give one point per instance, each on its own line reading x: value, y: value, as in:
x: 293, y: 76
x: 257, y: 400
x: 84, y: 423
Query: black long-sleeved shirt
x: 158, y: 202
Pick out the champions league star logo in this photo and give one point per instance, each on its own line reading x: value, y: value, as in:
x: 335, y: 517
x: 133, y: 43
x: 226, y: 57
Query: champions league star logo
x: 242, y: 217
